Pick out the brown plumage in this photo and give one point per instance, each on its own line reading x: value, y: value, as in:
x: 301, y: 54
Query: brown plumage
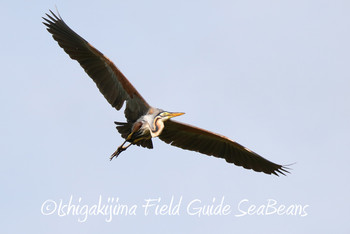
x: 143, y: 121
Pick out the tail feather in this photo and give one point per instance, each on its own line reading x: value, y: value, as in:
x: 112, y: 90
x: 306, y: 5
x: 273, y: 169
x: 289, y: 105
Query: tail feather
x: 124, y: 128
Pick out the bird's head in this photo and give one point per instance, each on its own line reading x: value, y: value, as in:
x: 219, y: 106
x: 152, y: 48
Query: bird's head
x: 168, y: 115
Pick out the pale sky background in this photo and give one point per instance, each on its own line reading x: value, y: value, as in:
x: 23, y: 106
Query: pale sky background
x: 272, y: 75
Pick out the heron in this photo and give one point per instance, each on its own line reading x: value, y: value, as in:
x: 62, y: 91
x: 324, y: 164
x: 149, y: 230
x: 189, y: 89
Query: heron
x: 144, y: 122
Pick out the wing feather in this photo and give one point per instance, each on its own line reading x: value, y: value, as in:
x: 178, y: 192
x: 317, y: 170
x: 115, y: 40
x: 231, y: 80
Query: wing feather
x: 110, y: 81
x: 192, y: 138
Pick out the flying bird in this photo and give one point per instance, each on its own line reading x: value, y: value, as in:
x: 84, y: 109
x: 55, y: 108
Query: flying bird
x: 145, y: 122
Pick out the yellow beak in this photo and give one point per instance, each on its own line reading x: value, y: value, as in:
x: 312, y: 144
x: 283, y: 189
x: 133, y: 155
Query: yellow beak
x: 174, y: 114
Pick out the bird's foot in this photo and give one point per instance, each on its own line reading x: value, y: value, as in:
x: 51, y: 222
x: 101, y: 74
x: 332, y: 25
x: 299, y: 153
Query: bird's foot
x: 117, y: 152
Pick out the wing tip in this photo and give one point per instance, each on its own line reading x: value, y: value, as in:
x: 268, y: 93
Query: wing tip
x: 283, y: 170
x: 52, y: 17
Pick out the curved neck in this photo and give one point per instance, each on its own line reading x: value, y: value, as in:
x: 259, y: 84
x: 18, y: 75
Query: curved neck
x: 157, y: 127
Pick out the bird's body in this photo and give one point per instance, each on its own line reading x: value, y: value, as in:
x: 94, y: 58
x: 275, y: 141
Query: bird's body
x: 145, y: 122
x: 144, y: 129
x: 151, y: 122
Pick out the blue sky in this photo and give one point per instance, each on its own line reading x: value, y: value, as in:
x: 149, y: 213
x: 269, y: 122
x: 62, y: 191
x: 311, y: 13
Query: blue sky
x: 271, y: 75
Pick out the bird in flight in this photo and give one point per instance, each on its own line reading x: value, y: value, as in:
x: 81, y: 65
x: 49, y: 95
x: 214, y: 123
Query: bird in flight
x: 145, y: 122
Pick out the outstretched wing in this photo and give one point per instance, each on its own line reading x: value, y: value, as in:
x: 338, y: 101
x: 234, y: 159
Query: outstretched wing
x: 200, y: 140
x: 110, y: 81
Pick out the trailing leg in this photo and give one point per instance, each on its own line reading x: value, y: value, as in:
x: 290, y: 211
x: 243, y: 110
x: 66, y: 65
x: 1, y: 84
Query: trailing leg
x: 119, y: 150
